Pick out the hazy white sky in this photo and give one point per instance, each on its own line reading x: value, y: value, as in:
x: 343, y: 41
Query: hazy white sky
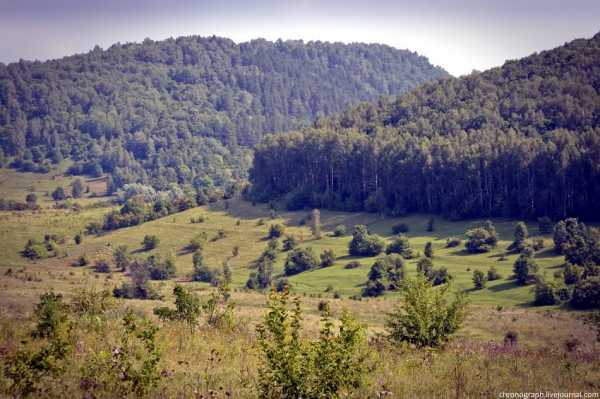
x: 459, y: 35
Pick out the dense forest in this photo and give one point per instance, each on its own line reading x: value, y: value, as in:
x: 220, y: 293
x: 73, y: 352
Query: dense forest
x: 186, y: 110
x: 519, y: 140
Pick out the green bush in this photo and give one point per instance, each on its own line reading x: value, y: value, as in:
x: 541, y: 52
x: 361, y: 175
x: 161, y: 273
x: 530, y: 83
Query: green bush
x: 549, y: 293
x: 525, y: 269
x: 187, y: 307
x: 131, y: 368
x: 150, y: 242
x: 479, y: 279
x: 365, y: 244
x: 586, y: 294
x: 102, y: 266
x: 400, y: 246
x: 327, y: 258
x: 339, y: 231
x: 329, y: 367
x: 299, y: 260
x: 572, y: 273
x: 426, y: 318
x: 289, y: 243
x: 492, y: 274
x: 276, y: 231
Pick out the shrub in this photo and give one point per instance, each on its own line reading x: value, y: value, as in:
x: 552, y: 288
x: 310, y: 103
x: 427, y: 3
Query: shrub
x: 37, y: 250
x: 161, y: 270
x: 139, y: 286
x: 28, y: 369
x: 327, y: 367
x: 525, y: 269
x: 401, y: 246
x: 339, y: 231
x: 425, y: 266
x: 289, y: 243
x: 51, y: 315
x: 83, y: 260
x: 327, y: 258
x: 59, y: 194
x: 428, y: 250
x: 365, y: 244
x: 373, y: 288
x: 440, y: 276
x: 102, y: 266
x: 282, y: 284
x: 492, y: 274
x: 150, y: 242
x: 548, y: 292
x: 194, y: 245
x: 121, y: 257
x: 201, y: 271
x: 453, y: 242
x: 91, y: 302
x: 132, y: 366
x: 572, y: 273
x: 299, y: 260
x: 520, y: 235
x: 400, y: 228
x: 187, y: 307
x: 276, y: 231
x: 479, y: 279
x: 477, y: 241
x: 352, y: 265
x: 586, y: 294
x: 427, y: 318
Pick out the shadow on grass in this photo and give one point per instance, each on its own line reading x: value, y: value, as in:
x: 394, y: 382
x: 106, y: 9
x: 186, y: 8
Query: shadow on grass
x: 503, y: 287
x: 547, y: 253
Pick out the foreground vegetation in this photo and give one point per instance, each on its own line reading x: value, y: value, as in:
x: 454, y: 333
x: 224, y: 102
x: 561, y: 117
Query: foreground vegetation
x: 201, y: 331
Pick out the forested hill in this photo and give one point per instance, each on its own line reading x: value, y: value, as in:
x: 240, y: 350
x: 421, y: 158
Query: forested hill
x: 519, y: 140
x: 186, y: 110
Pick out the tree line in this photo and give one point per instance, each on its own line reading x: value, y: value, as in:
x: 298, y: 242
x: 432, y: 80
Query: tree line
x: 521, y: 140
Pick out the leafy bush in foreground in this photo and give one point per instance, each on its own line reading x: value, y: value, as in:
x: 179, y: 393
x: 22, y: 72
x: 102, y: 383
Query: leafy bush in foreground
x: 322, y: 368
x: 426, y: 317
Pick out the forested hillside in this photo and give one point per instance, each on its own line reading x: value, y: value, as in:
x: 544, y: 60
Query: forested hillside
x: 185, y: 110
x: 520, y: 140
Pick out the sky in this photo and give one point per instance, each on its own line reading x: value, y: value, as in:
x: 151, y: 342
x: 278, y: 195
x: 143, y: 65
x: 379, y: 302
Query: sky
x: 459, y: 35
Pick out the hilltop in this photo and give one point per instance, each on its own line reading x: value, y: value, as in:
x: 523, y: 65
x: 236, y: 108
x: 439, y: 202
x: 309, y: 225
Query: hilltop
x: 186, y: 110
x: 521, y: 140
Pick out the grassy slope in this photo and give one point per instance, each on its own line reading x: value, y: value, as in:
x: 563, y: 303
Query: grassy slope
x: 175, y: 232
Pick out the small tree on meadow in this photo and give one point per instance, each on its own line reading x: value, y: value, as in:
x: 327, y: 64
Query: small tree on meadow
x: 427, y: 318
x: 479, y: 279
x: 521, y: 234
x: 77, y: 188
x: 150, y: 242
x: 428, y: 251
x: 31, y: 200
x: 327, y: 257
x: 121, y: 257
x: 525, y: 269
x: 59, y: 194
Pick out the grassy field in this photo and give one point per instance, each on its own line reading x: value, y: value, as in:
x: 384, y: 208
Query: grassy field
x: 470, y: 367
x: 240, y: 221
